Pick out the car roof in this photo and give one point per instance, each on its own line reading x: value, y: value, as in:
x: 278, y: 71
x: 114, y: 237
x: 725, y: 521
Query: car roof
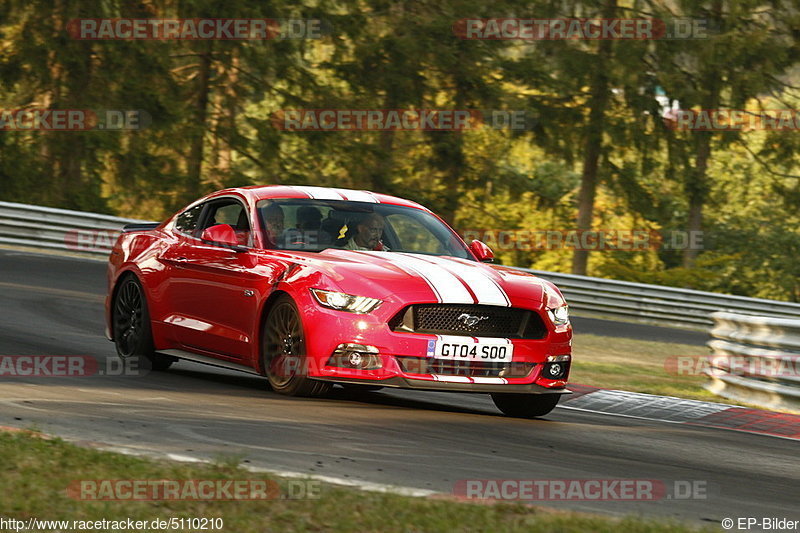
x: 266, y: 192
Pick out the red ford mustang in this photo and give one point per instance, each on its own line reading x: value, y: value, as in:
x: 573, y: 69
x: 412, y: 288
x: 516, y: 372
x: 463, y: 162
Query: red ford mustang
x: 312, y: 286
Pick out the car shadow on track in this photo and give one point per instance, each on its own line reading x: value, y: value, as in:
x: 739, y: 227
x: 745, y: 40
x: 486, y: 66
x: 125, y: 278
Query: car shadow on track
x: 479, y: 404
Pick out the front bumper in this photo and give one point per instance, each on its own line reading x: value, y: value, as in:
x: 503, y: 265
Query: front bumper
x: 327, y: 329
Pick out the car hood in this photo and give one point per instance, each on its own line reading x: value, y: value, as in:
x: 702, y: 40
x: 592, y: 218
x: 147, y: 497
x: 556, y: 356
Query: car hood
x: 419, y: 277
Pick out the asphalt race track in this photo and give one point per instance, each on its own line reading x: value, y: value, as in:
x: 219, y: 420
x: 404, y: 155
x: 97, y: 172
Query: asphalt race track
x: 52, y: 305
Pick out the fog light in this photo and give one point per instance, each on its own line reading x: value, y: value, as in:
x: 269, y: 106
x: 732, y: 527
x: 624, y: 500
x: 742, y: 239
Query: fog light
x: 355, y: 359
x: 356, y: 356
x: 557, y: 367
x: 554, y: 370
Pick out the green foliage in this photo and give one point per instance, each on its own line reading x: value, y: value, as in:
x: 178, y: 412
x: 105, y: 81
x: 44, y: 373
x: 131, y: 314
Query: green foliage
x: 212, y: 105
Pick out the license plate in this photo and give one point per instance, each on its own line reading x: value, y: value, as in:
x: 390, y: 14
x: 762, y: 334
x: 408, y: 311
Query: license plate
x: 470, y: 350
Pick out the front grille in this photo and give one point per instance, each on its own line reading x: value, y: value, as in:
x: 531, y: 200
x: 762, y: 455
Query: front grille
x: 458, y: 319
x: 448, y: 367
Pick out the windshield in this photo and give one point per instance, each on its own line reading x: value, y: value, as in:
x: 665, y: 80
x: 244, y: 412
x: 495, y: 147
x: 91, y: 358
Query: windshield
x: 316, y: 225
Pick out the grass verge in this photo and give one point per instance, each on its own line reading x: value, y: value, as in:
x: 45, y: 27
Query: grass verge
x: 36, y: 472
x: 638, y: 366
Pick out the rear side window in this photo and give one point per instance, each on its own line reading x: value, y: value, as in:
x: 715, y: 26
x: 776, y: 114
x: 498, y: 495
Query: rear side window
x: 187, y: 221
x: 230, y: 212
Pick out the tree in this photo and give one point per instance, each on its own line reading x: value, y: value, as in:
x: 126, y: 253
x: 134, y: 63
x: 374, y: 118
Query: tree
x: 746, y: 50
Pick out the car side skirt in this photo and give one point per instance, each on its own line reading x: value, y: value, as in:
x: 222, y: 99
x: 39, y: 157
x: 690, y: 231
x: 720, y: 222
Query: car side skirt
x: 206, y: 360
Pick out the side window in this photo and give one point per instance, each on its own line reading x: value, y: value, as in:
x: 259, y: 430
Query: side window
x: 187, y: 221
x: 234, y: 214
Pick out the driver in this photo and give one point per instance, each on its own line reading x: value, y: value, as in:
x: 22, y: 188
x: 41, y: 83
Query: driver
x: 368, y: 234
x: 273, y: 220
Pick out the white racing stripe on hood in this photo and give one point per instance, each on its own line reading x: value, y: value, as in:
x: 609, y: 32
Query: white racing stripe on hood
x: 448, y: 288
x: 319, y: 193
x: 358, y: 196
x: 486, y: 289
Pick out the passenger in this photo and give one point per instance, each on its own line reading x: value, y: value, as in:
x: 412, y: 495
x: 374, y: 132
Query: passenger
x: 307, y: 233
x: 332, y: 228
x: 309, y: 218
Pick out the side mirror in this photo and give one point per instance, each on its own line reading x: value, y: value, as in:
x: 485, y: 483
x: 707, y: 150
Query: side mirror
x: 221, y: 235
x: 482, y: 252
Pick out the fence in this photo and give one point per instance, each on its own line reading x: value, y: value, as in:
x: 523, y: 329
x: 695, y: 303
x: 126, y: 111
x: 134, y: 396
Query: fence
x: 757, y: 359
x: 59, y: 229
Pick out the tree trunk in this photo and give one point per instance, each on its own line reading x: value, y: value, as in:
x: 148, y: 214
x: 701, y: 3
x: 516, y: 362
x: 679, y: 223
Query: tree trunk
x: 696, y: 186
x: 448, y: 147
x: 225, y: 123
x: 697, y: 192
x: 194, y: 165
x: 380, y: 175
x: 593, y: 145
x: 51, y: 98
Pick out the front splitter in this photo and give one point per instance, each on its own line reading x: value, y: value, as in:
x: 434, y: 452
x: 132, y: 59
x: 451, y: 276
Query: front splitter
x: 447, y: 386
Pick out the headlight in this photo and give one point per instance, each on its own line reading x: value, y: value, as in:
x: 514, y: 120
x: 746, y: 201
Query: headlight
x: 345, y: 302
x: 559, y: 316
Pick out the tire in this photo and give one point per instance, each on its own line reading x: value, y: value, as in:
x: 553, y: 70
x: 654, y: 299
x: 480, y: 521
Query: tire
x: 133, y: 334
x: 525, y: 405
x: 283, y: 352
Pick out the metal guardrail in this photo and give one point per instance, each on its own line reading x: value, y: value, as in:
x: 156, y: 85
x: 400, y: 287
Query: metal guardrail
x: 94, y: 235
x: 59, y: 229
x: 756, y: 359
x: 656, y: 304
